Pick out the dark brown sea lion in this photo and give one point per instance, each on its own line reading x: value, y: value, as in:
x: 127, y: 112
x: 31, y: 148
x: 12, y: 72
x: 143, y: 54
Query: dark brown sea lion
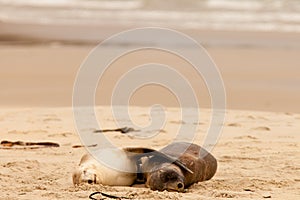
x: 163, y: 175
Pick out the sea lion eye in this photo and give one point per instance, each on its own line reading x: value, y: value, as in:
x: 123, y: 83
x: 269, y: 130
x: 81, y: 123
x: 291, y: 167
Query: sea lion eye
x: 180, y: 185
x: 90, y: 181
x: 164, y: 178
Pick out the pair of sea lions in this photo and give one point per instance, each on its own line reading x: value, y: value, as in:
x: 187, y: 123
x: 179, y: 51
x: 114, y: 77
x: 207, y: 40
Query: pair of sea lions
x: 173, y: 168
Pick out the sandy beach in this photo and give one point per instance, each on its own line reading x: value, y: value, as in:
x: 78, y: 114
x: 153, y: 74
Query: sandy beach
x: 257, y: 153
x: 255, y: 45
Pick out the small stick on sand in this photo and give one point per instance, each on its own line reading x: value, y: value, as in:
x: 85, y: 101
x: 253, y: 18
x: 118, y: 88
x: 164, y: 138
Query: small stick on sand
x: 122, y: 130
x: 81, y: 146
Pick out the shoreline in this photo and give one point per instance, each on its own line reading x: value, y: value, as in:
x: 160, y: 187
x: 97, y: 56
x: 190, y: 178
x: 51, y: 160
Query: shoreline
x: 14, y: 33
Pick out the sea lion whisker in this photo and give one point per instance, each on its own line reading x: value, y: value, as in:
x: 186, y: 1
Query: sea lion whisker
x: 95, y: 178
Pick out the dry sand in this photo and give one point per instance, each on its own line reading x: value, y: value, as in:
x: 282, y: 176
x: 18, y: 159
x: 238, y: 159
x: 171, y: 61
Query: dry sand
x: 258, y: 152
x: 258, y: 155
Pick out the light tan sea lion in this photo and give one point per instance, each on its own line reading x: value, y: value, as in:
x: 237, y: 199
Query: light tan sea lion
x: 91, y: 170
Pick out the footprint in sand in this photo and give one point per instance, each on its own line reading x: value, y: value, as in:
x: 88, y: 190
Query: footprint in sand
x: 51, y: 120
x: 251, y: 117
x: 199, y: 123
x: 224, y: 194
x: 261, y: 128
x: 230, y: 158
x: 17, y: 132
x: 26, y: 132
x: 177, y: 122
x: 246, y: 137
x: 234, y: 125
x: 66, y: 134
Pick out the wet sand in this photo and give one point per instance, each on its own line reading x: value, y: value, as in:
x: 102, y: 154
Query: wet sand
x: 254, y: 78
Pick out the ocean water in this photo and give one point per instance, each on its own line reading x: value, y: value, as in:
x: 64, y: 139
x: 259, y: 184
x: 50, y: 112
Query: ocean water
x: 239, y: 15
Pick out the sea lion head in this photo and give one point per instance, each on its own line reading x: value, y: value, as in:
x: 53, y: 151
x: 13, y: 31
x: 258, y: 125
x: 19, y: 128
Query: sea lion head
x: 87, y: 171
x: 85, y: 175
x: 167, y: 177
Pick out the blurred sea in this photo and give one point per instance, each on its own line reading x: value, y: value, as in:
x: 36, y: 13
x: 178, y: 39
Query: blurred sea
x: 211, y: 22
x: 257, y: 15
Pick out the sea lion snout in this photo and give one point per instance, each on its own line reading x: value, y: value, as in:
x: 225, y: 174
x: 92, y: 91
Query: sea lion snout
x: 176, y: 186
x: 84, y: 176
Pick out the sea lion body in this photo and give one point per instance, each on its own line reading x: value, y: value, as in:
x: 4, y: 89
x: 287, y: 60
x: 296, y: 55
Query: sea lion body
x: 162, y: 175
x: 91, y: 170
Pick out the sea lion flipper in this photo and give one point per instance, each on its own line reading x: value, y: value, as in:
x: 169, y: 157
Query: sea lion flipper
x: 183, y: 166
x: 139, y: 152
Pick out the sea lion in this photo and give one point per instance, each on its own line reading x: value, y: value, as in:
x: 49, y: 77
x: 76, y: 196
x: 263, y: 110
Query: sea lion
x: 91, y: 170
x: 119, y: 167
x: 161, y: 175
